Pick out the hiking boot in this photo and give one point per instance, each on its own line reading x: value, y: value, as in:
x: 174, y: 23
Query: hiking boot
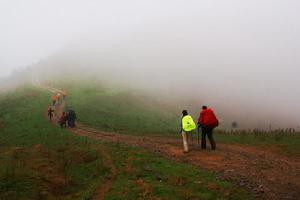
x: 203, y: 144
x: 213, y: 145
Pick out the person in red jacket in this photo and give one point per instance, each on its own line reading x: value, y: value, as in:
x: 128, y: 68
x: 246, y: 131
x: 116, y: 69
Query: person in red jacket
x: 207, y: 121
x: 62, y: 120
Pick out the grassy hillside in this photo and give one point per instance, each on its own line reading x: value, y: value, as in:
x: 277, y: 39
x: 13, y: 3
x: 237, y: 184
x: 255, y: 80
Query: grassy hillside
x: 120, y: 110
x: 131, y: 112
x: 41, y: 161
x: 282, y: 141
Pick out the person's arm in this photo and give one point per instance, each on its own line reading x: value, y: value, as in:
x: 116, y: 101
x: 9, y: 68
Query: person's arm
x: 199, y: 120
x: 180, y: 126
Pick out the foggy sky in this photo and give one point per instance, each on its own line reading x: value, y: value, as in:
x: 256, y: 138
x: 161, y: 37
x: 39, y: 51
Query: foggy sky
x: 232, y: 53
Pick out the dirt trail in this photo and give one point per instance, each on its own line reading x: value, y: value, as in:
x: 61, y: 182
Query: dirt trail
x: 268, y: 174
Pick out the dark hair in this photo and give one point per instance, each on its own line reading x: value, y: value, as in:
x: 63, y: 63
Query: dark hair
x: 184, y: 112
x: 204, y: 107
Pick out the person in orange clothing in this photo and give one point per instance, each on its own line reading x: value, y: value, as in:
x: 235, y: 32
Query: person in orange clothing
x: 207, y: 121
x: 54, y: 99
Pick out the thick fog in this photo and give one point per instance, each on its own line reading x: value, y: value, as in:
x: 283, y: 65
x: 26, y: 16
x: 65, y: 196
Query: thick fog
x: 240, y: 57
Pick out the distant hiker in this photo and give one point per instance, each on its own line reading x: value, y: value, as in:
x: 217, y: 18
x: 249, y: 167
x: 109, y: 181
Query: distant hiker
x: 58, y: 95
x: 207, y: 121
x: 71, y: 118
x: 62, y: 120
x: 64, y: 94
x: 50, y: 112
x: 187, y: 125
x: 54, y: 99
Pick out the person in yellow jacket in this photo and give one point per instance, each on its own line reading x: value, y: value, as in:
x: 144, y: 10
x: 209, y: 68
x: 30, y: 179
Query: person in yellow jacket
x: 187, y: 125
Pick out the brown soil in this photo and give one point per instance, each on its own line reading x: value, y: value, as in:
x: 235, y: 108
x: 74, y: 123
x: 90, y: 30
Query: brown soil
x: 146, y: 190
x: 267, y: 173
x: 105, y: 187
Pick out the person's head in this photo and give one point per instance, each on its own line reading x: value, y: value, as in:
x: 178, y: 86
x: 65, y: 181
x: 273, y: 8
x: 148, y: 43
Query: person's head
x: 204, y: 107
x: 184, y: 112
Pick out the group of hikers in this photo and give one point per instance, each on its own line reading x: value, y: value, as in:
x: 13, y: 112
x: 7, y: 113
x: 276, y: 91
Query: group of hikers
x: 66, y: 119
x: 57, y: 97
x: 207, y: 121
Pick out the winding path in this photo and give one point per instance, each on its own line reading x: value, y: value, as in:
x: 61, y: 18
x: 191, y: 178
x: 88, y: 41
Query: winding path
x: 267, y: 173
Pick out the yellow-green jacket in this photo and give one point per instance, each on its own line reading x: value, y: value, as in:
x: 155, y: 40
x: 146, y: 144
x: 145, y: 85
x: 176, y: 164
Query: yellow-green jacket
x: 188, y: 123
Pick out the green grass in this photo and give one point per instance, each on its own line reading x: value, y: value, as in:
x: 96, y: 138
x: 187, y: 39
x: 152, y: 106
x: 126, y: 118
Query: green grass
x: 129, y: 112
x: 289, y: 144
x: 149, y: 176
x: 120, y: 110
x: 41, y: 161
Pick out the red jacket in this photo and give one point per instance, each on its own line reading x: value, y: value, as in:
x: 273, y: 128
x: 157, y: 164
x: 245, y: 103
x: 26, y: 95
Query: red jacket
x: 62, y: 118
x: 50, y: 110
x: 208, y: 118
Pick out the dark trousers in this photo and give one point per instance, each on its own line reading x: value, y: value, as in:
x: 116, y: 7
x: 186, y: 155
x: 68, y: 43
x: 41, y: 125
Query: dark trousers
x: 209, y: 132
x: 71, y: 123
x: 50, y: 116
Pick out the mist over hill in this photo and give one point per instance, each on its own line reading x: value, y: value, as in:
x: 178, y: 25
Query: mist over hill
x: 241, y: 58
x: 182, y: 83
